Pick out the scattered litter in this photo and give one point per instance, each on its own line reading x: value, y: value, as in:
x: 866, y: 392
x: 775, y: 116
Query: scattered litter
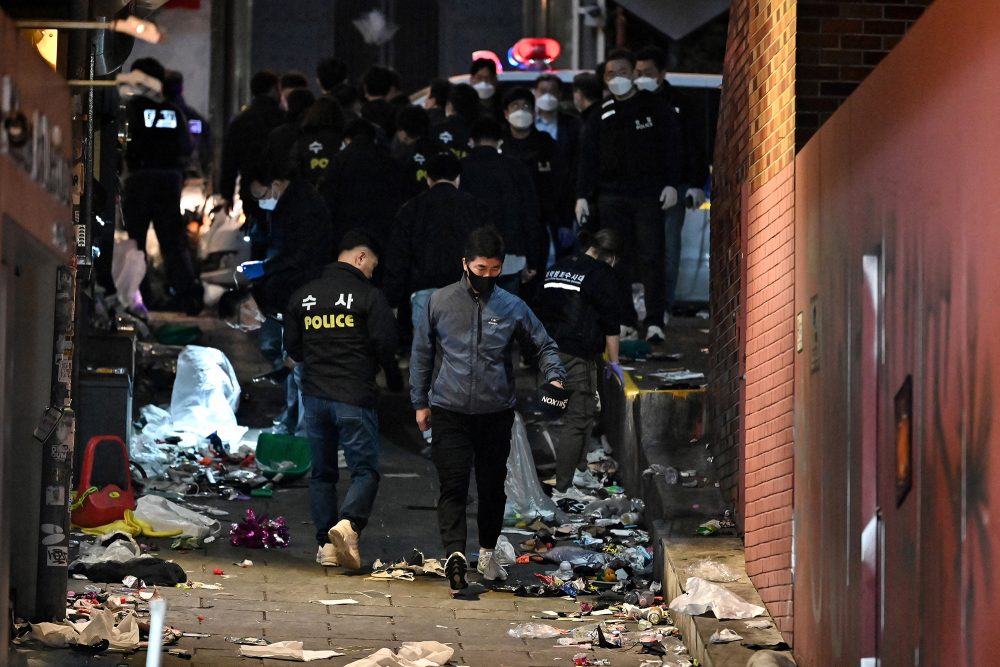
x: 724, y: 636
x: 331, y: 603
x: 208, y: 587
x: 669, y: 473
x: 758, y: 625
x: 259, y: 532
x: 247, y: 641
x: 218, y: 571
x: 710, y: 527
x: 422, y: 654
x: 535, y: 631
x: 246, y: 562
x: 286, y: 651
x: 702, y: 596
x: 712, y: 571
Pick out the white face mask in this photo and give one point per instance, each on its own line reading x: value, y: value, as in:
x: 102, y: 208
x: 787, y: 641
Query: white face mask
x: 268, y: 203
x: 484, y: 89
x: 620, y: 85
x: 521, y: 119
x: 547, y: 102
x: 646, y: 83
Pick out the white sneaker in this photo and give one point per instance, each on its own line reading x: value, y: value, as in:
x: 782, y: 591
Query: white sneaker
x: 666, y: 319
x: 654, y: 334
x: 572, y: 493
x: 341, y: 460
x: 326, y: 556
x: 628, y: 333
x: 490, y: 567
x: 586, y: 480
x: 345, y: 544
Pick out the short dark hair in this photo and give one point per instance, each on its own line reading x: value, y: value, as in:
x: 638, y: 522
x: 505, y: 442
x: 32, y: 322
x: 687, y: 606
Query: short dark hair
x: 443, y: 165
x: 518, y: 94
x: 607, y: 242
x: 486, y: 128
x: 484, y: 242
x: 263, y: 82
x: 620, y: 54
x: 298, y: 102
x: 542, y: 78
x: 465, y: 101
x: 346, y: 94
x: 330, y: 72
x: 325, y: 112
x: 589, y: 86
x: 413, y: 120
x: 654, y: 53
x: 293, y: 79
x: 359, y: 127
x: 173, y: 84
x: 150, y: 66
x: 378, y: 80
x: 356, y: 238
x: 483, y: 63
x: 439, y: 91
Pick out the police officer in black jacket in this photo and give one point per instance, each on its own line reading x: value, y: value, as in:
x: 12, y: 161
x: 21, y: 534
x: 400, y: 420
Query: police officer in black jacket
x: 630, y: 158
x: 579, y: 305
x: 157, y: 150
x: 341, y: 329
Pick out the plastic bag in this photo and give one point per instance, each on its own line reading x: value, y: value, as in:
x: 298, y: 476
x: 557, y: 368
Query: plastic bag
x: 711, y: 570
x: 119, y: 551
x: 206, y: 394
x: 576, y: 556
x: 128, y: 268
x: 166, y: 516
x: 702, y: 596
x: 639, y: 300
x: 504, y: 552
x: 724, y: 636
x: 524, y: 492
x: 534, y: 631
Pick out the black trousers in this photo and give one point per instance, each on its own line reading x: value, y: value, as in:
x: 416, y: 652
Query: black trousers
x: 154, y: 195
x: 461, y: 443
x: 578, y: 420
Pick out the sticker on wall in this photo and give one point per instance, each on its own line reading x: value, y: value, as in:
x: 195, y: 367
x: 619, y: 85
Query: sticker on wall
x: 904, y: 440
x: 814, y: 343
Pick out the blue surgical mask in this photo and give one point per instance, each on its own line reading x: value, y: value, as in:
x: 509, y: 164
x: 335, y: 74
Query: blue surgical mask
x: 268, y: 203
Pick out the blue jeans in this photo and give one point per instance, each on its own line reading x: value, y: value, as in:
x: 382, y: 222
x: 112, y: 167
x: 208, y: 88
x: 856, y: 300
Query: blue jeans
x: 332, y: 424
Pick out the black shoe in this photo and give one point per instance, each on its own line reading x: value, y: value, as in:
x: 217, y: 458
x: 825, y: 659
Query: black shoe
x: 454, y: 569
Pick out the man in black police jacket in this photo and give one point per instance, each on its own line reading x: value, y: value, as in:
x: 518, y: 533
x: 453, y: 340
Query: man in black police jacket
x: 341, y: 329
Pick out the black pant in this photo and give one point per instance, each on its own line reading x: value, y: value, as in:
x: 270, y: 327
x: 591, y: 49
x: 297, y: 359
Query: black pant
x: 459, y: 443
x: 154, y: 195
x: 639, y: 220
x: 578, y: 420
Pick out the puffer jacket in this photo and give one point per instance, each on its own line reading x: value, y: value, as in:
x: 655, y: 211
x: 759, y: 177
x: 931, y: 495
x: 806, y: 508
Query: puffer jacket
x: 474, y: 337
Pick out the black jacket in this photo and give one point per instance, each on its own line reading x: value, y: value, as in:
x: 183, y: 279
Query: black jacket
x: 578, y: 304
x: 453, y: 135
x: 631, y: 146
x: 364, y: 188
x: 428, y: 240
x: 314, y: 151
x: 506, y: 186
x: 540, y: 153
x: 341, y: 327
x: 157, y: 135
x: 299, y: 245
x: 278, y: 148
x: 243, y: 144
x: 694, y: 133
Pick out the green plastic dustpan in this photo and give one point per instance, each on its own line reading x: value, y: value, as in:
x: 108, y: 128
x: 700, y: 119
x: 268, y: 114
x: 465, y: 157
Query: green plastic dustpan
x: 274, y: 451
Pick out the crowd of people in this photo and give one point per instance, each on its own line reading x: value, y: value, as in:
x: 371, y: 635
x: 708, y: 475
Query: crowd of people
x: 495, y: 218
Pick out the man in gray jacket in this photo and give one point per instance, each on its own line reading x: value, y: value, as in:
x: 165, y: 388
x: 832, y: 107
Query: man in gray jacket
x: 474, y: 324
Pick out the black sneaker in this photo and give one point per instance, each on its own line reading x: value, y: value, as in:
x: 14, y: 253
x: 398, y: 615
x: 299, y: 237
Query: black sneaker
x: 454, y: 569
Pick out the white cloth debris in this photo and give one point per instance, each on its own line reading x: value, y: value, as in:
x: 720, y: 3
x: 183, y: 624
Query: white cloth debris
x: 702, y: 596
x: 286, y: 651
x: 724, y: 636
x: 411, y: 654
x: 124, y: 636
x: 331, y: 603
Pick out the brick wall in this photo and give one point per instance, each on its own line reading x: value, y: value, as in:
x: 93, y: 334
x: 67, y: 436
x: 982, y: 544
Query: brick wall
x: 839, y: 43
x: 768, y: 464
x: 730, y: 160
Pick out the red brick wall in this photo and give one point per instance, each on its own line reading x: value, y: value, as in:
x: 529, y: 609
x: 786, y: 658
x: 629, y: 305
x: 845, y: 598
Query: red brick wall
x: 768, y: 463
x: 839, y: 44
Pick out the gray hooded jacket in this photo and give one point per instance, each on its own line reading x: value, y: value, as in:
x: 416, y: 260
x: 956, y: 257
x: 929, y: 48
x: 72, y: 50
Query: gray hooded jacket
x: 473, y: 338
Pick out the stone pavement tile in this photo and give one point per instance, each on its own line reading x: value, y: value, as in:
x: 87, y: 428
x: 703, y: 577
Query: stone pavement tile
x: 485, y: 629
x: 428, y: 628
x: 362, y: 627
x: 511, y: 658
x: 442, y: 599
x: 619, y: 658
x: 489, y: 614
x: 219, y: 658
x: 340, y: 583
x: 541, y: 604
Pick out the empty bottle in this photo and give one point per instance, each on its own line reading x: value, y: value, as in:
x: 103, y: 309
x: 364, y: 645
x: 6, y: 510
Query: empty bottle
x: 565, y: 571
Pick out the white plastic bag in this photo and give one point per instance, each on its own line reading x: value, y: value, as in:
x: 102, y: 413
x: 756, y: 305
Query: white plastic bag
x: 534, y: 631
x: 166, y: 516
x: 524, y: 492
x: 712, y: 570
x: 206, y: 394
x: 701, y: 596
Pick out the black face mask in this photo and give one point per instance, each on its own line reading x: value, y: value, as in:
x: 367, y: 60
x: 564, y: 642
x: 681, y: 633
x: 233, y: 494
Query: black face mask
x: 482, y: 284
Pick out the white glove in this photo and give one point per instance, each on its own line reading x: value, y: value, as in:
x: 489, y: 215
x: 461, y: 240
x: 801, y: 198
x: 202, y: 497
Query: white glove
x: 582, y: 210
x: 697, y: 196
x: 668, y: 197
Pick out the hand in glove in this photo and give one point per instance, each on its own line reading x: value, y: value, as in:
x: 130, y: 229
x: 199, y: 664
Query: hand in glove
x: 614, y: 368
x: 251, y: 270
x: 582, y: 210
x: 668, y: 197
x: 566, y: 237
x: 694, y: 197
